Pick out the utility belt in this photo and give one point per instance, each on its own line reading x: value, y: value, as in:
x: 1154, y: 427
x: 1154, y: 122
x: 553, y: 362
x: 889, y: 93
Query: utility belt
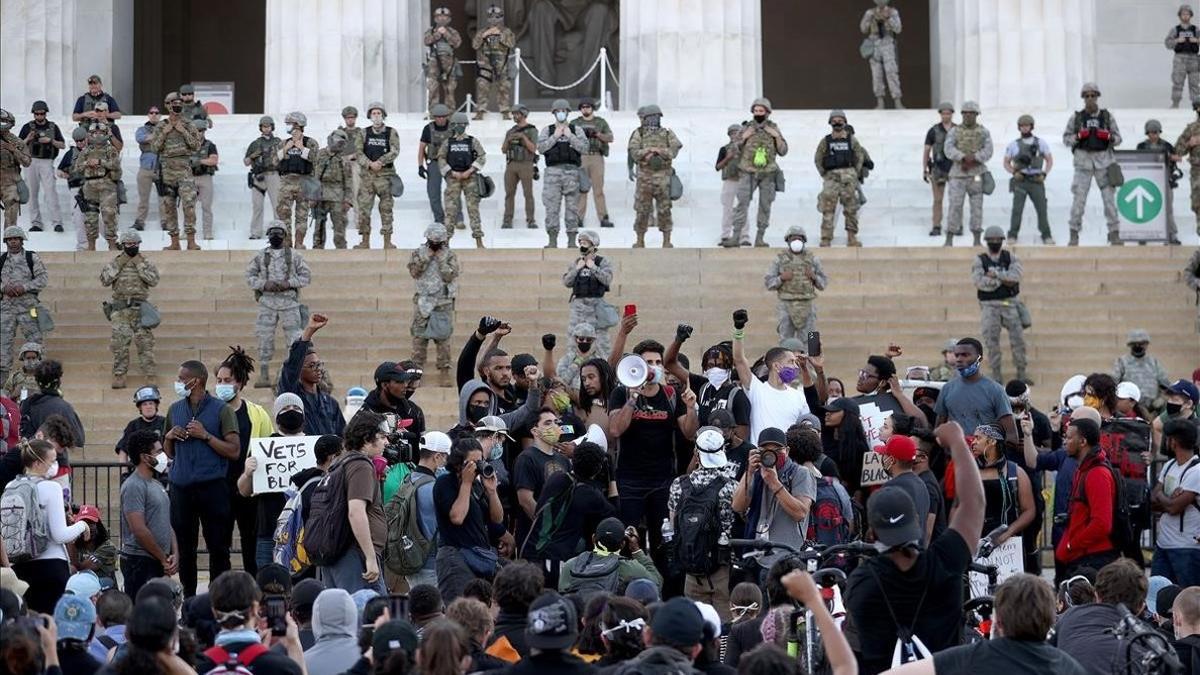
x: 1031, y: 177
x: 97, y: 178
x: 127, y: 303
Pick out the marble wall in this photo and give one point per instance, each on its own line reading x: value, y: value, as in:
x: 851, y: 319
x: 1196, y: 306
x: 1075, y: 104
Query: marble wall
x: 1133, y: 66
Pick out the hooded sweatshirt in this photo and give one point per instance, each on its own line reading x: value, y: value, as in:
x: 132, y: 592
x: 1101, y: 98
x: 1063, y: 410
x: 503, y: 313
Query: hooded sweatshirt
x: 657, y: 661
x: 335, y: 625
x: 521, y: 416
x: 38, y: 407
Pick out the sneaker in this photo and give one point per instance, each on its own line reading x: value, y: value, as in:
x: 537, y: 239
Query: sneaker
x: 1048, y: 241
x: 58, y: 227
x: 36, y: 227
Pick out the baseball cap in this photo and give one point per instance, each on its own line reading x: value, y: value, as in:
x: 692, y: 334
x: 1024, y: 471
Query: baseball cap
x: 610, y: 533
x: 891, y: 513
x: 678, y: 621
x: 721, y: 419
x: 274, y: 579
x: 900, y: 447
x: 391, y: 635
x: 305, y: 593
x: 436, y: 441
x: 711, y: 444
x: 389, y: 371
x: 643, y: 590
x: 1185, y: 388
x: 1086, y: 413
x: 926, y: 392
x: 772, y: 435
x: 520, y: 361
x: 712, y: 620
x: 94, y: 79
x: 551, y: 623
x: 1129, y: 390
x: 809, y: 420
x: 1154, y: 586
x: 84, y: 584
x: 74, y: 616
x: 494, y: 424
x: 11, y: 582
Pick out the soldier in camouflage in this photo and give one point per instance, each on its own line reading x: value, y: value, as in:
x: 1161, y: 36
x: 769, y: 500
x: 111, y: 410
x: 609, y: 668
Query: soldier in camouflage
x: 354, y: 138
x: 1156, y: 143
x: 276, y: 275
x: 562, y: 145
x: 997, y: 277
x: 599, y: 135
x: 1187, y: 146
x: 263, y: 161
x: 376, y: 153
x: 204, y: 167
x: 935, y: 166
x: 295, y: 156
x: 948, y: 368
x: 727, y: 164
x: 175, y: 139
x: 336, y: 191
x: 460, y: 159
x: 653, y: 148
x: 760, y: 143
x: 1184, y: 40
x: 14, y: 154
x: 100, y: 166
x: 441, y: 66
x: 881, y: 25
x: 839, y: 159
x: 22, y: 277
x: 1191, y: 277
x: 131, y: 277
x: 520, y: 153
x: 1092, y: 134
x: 1146, y: 371
x: 796, y: 276
x: 969, y: 146
x: 579, y: 351
x: 22, y: 383
x: 589, y: 277
x: 493, y: 47
x: 435, y: 269
x: 192, y: 108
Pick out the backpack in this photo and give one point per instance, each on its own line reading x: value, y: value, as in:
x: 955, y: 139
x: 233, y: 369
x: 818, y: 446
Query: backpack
x: 407, y: 548
x: 827, y: 524
x: 591, y: 573
x: 23, y: 524
x: 236, y: 662
x: 289, y: 531
x: 1121, y: 534
x: 716, y: 404
x: 327, y: 532
x: 698, y: 527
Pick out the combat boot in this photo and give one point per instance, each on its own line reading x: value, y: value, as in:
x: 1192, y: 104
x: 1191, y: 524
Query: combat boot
x: 667, y: 240
x: 641, y: 240
x: 264, y: 376
x: 91, y: 245
x: 879, y: 104
x: 899, y: 105
x: 977, y: 239
x: 570, y: 240
x: 605, y: 222
x: 387, y: 241
x: 118, y: 382
x: 826, y: 242
x: 1074, y: 238
x: 759, y: 239
x: 935, y: 231
x: 1114, y: 239
x: 138, y: 225
x: 529, y: 224
x: 478, y: 241
x: 174, y: 245
x: 365, y: 242
x: 191, y: 243
x: 112, y: 244
x: 949, y: 239
x: 552, y: 239
x: 852, y: 240
x: 506, y: 225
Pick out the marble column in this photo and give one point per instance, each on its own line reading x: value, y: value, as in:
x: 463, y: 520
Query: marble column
x: 1027, y: 53
x: 39, y: 56
x: 325, y: 54
x: 694, y: 53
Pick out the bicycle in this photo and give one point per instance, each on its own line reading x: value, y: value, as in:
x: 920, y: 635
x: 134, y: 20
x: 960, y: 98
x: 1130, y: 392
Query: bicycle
x: 977, y: 611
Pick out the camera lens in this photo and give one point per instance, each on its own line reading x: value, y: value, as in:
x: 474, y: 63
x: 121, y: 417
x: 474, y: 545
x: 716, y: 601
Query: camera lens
x: 769, y: 458
x: 486, y: 470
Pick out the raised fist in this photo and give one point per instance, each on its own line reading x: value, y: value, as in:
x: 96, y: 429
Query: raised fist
x: 682, y: 332
x: 740, y: 318
x: 488, y: 324
x: 548, y: 341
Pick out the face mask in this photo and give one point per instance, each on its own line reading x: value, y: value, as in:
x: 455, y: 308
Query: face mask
x: 290, y: 420
x: 376, y: 119
x: 584, y: 250
x: 971, y: 370
x: 497, y: 451
x: 788, y: 374
x: 131, y: 251
x: 30, y: 364
x: 838, y: 127
x: 651, y: 121
x: 1091, y: 401
x: 657, y: 374
x: 177, y: 108
x: 433, y: 245
x: 560, y: 402
x: 276, y: 241
x: 160, y: 462
x: 477, y: 412
x: 181, y: 389
x: 550, y: 434
x: 994, y: 246
x: 584, y: 346
x: 796, y: 246
x: 717, y: 377
x: 1138, y: 350
x: 1174, y: 408
x: 560, y: 115
x: 760, y: 118
x: 458, y: 129
x: 226, y: 392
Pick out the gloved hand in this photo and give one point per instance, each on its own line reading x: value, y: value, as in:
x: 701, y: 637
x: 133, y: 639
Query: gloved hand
x: 422, y: 172
x: 740, y: 318
x: 536, y: 174
x: 1084, y: 133
x: 548, y: 341
x: 682, y: 333
x: 488, y: 324
x: 632, y: 174
x: 1103, y: 134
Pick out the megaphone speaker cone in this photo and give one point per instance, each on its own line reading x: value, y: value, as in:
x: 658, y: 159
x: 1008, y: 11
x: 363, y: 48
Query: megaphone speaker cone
x: 632, y: 371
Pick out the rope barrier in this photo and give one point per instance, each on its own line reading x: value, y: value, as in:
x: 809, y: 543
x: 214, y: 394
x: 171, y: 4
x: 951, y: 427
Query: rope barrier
x: 612, y: 72
x: 576, y: 83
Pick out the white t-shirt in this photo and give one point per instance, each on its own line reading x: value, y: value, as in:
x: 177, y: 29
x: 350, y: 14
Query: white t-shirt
x: 1169, y: 533
x: 771, y: 407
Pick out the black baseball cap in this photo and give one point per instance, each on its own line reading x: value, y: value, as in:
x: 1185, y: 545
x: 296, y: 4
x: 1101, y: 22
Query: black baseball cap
x: 772, y: 435
x: 610, y: 533
x: 305, y: 593
x: 893, y: 516
x: 520, y: 361
x: 721, y: 418
x: 394, y: 634
x: 678, y: 621
x: 390, y: 371
x: 552, y: 622
x: 274, y: 579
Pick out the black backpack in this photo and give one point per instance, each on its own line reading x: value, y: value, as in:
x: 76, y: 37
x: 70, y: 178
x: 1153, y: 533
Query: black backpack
x: 698, y: 528
x: 1121, y: 534
x: 591, y: 573
x: 327, y: 534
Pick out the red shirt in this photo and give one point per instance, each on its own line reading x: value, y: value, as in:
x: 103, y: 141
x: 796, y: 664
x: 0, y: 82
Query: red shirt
x: 1090, y: 512
x: 14, y: 422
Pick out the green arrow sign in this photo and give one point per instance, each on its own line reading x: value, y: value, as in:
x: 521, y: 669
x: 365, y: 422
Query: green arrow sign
x: 1139, y: 201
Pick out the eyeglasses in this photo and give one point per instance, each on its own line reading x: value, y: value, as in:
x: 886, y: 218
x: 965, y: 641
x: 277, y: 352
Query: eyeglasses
x: 864, y: 375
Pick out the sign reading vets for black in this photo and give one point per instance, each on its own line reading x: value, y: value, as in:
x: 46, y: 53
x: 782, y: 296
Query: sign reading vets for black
x: 280, y: 458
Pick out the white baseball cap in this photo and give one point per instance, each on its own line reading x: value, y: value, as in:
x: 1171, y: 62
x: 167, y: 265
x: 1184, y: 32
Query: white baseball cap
x: 1129, y: 390
x: 711, y: 444
x: 436, y: 441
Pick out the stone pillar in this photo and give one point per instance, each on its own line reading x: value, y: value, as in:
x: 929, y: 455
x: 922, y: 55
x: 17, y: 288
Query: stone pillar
x: 694, y: 53
x: 1029, y: 53
x: 39, y: 56
x: 326, y: 54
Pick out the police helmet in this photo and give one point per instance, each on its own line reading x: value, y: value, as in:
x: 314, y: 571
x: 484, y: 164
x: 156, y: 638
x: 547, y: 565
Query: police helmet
x: 39, y: 106
x: 836, y: 113
x: 376, y: 105
x: 147, y: 393
x: 460, y: 118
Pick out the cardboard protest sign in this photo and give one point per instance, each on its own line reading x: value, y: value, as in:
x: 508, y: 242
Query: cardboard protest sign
x: 874, y: 409
x: 279, y: 459
x: 872, y: 471
x: 1008, y: 559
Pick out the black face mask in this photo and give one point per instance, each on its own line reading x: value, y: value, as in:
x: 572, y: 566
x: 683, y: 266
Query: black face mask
x: 759, y: 119
x: 994, y: 246
x: 433, y: 245
x: 131, y: 251
x: 1138, y: 350
x: 176, y: 108
x: 1174, y: 409
x: 276, y: 241
x: 477, y: 412
x: 839, y: 127
x: 583, y: 346
x: 584, y: 250
x: 290, y: 421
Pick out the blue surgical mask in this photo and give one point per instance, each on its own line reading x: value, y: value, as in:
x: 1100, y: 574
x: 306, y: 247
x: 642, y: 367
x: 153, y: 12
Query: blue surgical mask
x: 226, y: 392
x: 657, y: 375
x: 970, y: 370
x: 441, y: 471
x: 496, y: 452
x: 560, y: 115
x: 181, y: 389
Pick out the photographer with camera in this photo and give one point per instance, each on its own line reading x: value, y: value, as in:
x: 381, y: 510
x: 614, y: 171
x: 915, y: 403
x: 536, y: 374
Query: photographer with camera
x: 468, y: 514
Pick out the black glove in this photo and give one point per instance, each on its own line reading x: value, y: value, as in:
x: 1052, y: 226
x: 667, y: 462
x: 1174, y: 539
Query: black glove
x: 536, y: 173
x: 682, y: 332
x: 548, y: 341
x: 422, y: 172
x: 488, y: 325
x: 740, y: 318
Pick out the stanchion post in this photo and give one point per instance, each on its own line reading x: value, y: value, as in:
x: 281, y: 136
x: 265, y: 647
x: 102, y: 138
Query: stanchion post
x: 603, y: 77
x: 517, y: 78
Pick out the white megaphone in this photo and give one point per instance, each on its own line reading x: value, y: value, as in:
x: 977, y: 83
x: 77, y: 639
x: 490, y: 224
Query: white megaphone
x: 632, y: 371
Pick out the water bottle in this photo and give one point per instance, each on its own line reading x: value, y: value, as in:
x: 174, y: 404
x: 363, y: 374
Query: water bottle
x: 668, y: 530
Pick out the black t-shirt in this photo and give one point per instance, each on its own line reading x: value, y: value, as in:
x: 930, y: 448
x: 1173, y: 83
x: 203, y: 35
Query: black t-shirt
x: 710, y: 398
x: 473, y: 533
x: 268, y: 663
x: 1002, y: 656
x: 137, y: 424
x: 588, y: 506
x: 243, y: 421
x: 937, y: 503
x: 739, y: 458
x: 647, y: 446
x: 916, y: 490
x: 937, y: 576
x: 427, y: 138
x: 532, y: 470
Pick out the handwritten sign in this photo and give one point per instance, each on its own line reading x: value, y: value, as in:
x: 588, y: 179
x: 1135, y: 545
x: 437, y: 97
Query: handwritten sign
x: 874, y: 409
x: 1008, y: 559
x: 872, y: 471
x: 279, y: 459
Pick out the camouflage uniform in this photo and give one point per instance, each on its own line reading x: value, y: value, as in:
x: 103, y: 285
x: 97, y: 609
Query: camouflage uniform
x: 294, y: 165
x: 965, y: 182
x: 1188, y: 146
x: 1191, y: 276
x: 560, y: 186
x: 797, y: 316
x: 436, y: 274
x: 175, y: 139
x: 1162, y: 146
x: 264, y: 166
x: 21, y: 384
x: 354, y: 139
x: 131, y: 280
x: 1186, y: 63
x: 592, y: 163
x: 588, y: 286
x: 839, y: 161
x: 203, y: 175
x: 1092, y: 157
x: 883, y: 57
x: 653, y: 177
x: 441, y: 67
x: 571, y: 362
x: 381, y: 145
x: 1147, y: 372
x: 492, y: 54
x: 100, y: 166
x: 283, y: 266
x: 336, y: 193
x: 15, y: 310
x: 757, y: 170
x: 14, y: 154
x: 519, y: 169
x: 467, y: 153
x: 996, y: 312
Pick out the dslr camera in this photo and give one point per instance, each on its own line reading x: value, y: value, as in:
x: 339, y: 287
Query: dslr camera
x: 484, y: 469
x: 399, y: 448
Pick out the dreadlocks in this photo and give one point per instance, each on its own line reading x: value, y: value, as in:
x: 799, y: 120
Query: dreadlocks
x: 240, y: 365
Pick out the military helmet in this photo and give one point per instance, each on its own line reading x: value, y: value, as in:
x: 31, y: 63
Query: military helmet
x: 14, y: 231
x: 350, y: 111
x: 201, y: 123
x: 266, y: 120
x: 439, y: 110
x: 186, y: 89
x: 763, y: 101
x: 560, y: 104
x: 39, y: 106
x: 970, y: 107
x: 651, y: 109
x: 1185, y: 8
x: 1025, y: 119
x: 146, y: 393
x: 441, y: 10
x: 591, y: 235
x: 34, y: 347
x: 950, y: 345
x: 1153, y: 127
x: 1089, y: 86
x: 6, y: 120
x: 437, y: 233
x: 171, y: 97
x: 733, y: 129
x: 836, y: 113
x: 277, y: 225
x: 296, y: 118
x: 994, y: 232
x: 795, y: 231
x: 460, y: 118
x: 130, y: 236
x: 522, y: 110
x: 376, y: 105
x: 495, y: 10
x: 79, y: 134
x: 945, y: 106
x: 583, y: 329
x: 338, y: 136
x: 1137, y: 335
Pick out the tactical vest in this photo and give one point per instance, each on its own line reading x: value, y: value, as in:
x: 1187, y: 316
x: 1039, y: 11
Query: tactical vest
x: 460, y: 153
x: 292, y: 162
x: 436, y: 138
x: 199, y: 169
x: 799, y: 287
x: 731, y: 170
x: 969, y: 139
x: 1029, y: 155
x: 587, y: 285
x: 1004, y: 291
x: 74, y: 178
x: 938, y: 153
x: 562, y: 152
x: 595, y: 145
x: 129, y: 285
x: 92, y: 152
x: 174, y: 144
x: 1187, y: 47
x: 376, y: 145
x: 516, y: 150
x: 267, y: 147
x: 1101, y: 120
x: 43, y: 150
x: 839, y: 153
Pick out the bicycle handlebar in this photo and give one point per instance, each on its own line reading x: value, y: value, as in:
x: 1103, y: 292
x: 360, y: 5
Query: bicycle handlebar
x: 853, y: 548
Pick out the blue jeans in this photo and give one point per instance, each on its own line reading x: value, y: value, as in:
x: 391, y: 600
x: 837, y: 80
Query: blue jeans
x: 347, y: 572
x: 1180, y: 565
x: 264, y: 551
